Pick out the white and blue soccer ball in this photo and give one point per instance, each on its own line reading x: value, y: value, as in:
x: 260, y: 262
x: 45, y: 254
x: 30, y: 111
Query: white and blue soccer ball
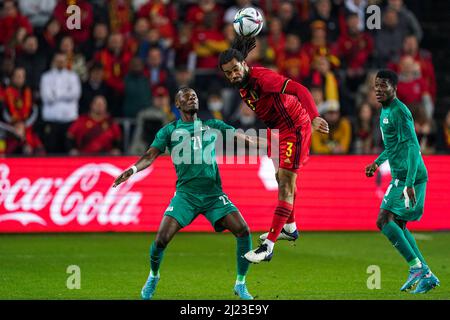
x: 248, y: 22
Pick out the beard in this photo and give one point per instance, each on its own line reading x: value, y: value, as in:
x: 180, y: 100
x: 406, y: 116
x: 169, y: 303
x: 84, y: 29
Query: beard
x: 241, y: 84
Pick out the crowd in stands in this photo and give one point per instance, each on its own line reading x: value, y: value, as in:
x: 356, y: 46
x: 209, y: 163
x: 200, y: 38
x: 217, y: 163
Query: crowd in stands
x: 107, y: 87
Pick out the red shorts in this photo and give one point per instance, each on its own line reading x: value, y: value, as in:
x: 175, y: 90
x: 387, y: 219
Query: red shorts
x: 293, y: 147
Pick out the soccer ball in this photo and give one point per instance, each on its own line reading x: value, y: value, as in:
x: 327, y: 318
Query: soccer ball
x: 248, y: 22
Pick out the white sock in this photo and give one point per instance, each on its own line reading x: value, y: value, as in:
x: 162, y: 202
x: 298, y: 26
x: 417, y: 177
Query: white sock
x: 152, y: 274
x: 270, y: 244
x: 417, y: 264
x: 240, y: 282
x: 290, y: 227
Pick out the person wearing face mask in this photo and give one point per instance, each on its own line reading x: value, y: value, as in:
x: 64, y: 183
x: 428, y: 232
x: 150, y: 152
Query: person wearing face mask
x: 60, y: 91
x: 246, y: 119
x: 215, y: 105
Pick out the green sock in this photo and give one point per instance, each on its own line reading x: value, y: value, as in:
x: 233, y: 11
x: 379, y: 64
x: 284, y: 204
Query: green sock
x: 244, y: 245
x: 396, y: 236
x: 413, y: 244
x: 156, y: 255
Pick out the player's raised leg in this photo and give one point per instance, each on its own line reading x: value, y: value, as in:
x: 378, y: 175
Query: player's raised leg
x: 289, y: 231
x: 167, y: 229
x: 237, y: 225
x: 286, y: 190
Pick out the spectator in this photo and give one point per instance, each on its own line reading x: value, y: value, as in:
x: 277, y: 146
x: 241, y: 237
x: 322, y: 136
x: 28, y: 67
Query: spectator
x: 94, y: 86
x: 407, y: 20
x: 246, y: 119
x: 365, y: 131
x: 289, y: 19
x: 49, y: 38
x: 357, y: 7
x: 120, y: 16
x: 153, y: 39
x: 151, y: 119
x: 137, y: 89
x: 205, y: 10
x: 97, y: 42
x: 115, y: 59
x: 339, y: 139
x: 34, y: 62
x: 293, y: 62
x: 388, y: 40
x: 95, y: 132
x: 276, y: 38
x: 425, y: 132
x: 443, y: 134
x: 354, y: 49
x: 158, y: 73
x: 75, y: 61
x: 165, y: 26
x: 38, y: 12
x: 423, y: 57
x: 323, y: 11
x: 160, y: 8
x: 139, y: 35
x: 214, y: 105
x: 318, y: 46
x: 318, y: 97
x: 208, y: 42
x: 184, y: 77
x: 322, y: 76
x: 14, y: 26
x: 184, y: 49
x: 60, y: 92
x: 161, y: 101
x: 80, y: 35
x: 6, y: 70
x: 21, y: 112
x: 412, y: 88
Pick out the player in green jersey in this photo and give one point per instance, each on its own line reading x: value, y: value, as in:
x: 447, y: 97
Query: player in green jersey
x: 405, y: 197
x: 191, y: 143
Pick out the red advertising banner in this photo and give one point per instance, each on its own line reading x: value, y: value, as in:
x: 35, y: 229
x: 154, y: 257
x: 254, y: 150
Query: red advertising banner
x: 75, y: 194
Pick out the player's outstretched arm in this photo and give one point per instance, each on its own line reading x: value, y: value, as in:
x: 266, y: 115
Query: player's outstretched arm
x: 305, y: 97
x: 145, y: 161
x: 252, y: 141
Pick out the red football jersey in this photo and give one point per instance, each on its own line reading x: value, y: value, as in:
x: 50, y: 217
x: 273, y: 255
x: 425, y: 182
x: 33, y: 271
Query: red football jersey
x: 264, y: 94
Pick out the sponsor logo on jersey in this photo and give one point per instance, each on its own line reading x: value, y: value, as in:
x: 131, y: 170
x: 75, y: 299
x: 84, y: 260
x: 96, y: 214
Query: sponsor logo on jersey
x: 385, y: 120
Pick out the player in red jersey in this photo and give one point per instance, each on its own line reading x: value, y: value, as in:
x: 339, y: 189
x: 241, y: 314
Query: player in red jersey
x: 285, y: 105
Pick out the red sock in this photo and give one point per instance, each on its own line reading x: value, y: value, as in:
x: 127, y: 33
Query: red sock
x: 291, y: 218
x: 282, y: 213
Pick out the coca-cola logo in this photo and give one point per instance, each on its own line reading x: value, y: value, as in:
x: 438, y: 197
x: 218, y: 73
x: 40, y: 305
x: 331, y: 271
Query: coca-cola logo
x: 83, y: 196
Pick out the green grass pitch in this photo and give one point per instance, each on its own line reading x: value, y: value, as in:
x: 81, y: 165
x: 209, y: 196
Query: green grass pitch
x: 202, y: 266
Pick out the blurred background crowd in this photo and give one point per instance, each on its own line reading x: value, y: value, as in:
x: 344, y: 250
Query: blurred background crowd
x: 108, y: 87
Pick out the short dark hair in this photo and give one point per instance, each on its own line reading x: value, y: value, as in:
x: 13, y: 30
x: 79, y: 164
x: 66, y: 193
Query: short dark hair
x: 181, y: 91
x: 389, y: 75
x: 239, y: 50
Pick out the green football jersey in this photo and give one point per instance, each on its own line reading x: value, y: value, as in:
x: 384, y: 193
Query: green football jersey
x: 192, y: 149
x: 401, y: 146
